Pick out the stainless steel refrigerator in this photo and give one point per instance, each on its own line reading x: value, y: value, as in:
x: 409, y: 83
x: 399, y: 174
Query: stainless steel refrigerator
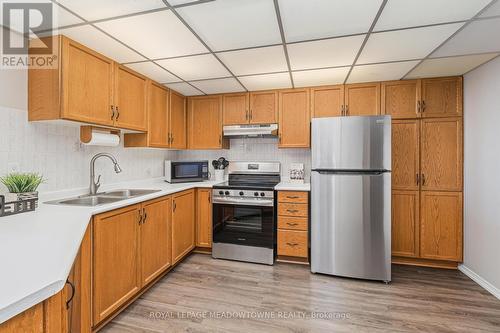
x: 351, y: 197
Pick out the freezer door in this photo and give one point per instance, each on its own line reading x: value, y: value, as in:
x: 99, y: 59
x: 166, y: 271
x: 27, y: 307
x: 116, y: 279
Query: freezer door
x: 351, y: 225
x: 351, y: 143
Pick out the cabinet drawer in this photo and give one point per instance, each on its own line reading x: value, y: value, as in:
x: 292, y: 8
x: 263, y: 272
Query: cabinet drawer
x: 292, y: 223
x: 293, y: 196
x: 292, y: 209
x: 292, y: 243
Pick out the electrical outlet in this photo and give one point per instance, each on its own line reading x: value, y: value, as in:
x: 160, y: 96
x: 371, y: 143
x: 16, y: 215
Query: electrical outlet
x: 13, y: 167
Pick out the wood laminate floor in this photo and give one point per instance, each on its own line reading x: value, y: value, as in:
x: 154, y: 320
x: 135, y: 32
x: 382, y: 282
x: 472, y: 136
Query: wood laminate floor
x: 207, y: 295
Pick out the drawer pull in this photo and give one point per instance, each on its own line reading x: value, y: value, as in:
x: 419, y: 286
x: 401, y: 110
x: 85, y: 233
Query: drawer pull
x: 292, y: 196
x: 292, y: 224
x: 292, y: 210
x: 292, y: 244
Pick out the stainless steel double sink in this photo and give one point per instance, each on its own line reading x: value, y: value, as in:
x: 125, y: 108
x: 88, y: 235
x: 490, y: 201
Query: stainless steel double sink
x: 102, y: 198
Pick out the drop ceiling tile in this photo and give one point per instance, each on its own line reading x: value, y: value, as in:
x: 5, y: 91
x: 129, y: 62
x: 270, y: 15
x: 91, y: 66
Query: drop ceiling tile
x: 477, y: 37
x: 405, y: 44
x: 266, y: 81
x: 156, y: 35
x: 410, y: 13
x: 100, y: 42
x: 184, y: 88
x: 320, y: 77
x: 99, y: 9
x: 449, y: 66
x: 198, y: 67
x: 229, y: 24
x: 324, y: 53
x: 255, y: 61
x: 304, y: 20
x: 380, y: 72
x: 493, y: 10
x: 217, y: 86
x: 153, y: 71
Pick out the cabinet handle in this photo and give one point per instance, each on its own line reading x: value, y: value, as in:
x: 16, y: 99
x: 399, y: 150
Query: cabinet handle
x: 112, y: 112
x: 209, y: 198
x: 140, y: 218
x: 292, y: 210
x: 73, y: 289
x: 251, y: 115
x: 175, y: 206
x: 246, y: 114
x: 417, y: 178
x: 292, y: 196
x: 418, y: 106
x: 172, y: 139
x: 292, y: 224
x: 220, y: 139
x: 292, y: 244
x: 117, y: 113
x: 423, y: 179
x: 423, y: 106
x: 346, y: 113
x: 145, y: 215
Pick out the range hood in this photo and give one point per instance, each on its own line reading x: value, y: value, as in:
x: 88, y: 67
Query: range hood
x: 251, y: 131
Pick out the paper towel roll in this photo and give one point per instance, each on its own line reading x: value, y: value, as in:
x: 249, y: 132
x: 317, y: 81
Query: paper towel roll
x: 103, y: 139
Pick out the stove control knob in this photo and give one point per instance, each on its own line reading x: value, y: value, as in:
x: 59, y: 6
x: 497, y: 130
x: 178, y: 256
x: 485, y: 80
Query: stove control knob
x: 221, y: 192
x: 256, y: 194
x: 226, y: 193
x: 262, y: 194
x: 241, y: 192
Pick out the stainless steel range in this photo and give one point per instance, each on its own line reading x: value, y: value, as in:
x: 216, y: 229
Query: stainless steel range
x: 244, y: 225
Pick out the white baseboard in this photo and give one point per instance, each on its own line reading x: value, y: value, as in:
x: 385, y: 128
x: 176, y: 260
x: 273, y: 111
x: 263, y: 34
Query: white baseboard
x: 479, y: 280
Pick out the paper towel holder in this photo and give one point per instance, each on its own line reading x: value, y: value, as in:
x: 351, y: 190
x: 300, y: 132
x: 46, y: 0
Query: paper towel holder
x: 87, y: 130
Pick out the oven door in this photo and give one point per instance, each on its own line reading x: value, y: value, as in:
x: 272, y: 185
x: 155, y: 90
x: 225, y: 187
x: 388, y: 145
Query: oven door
x: 243, y: 225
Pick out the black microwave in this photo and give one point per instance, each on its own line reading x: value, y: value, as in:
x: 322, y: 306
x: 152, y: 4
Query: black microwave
x: 186, y: 171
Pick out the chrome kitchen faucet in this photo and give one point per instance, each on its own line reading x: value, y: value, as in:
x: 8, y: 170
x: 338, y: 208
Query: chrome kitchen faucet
x: 95, y: 184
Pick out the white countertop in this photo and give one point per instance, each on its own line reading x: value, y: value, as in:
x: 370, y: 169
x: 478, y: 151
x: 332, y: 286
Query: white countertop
x: 37, y: 249
x: 288, y: 186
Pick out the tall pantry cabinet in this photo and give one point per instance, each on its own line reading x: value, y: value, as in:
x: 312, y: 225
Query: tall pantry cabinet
x: 427, y: 169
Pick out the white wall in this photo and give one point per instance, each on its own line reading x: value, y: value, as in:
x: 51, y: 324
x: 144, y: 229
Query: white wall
x: 482, y: 174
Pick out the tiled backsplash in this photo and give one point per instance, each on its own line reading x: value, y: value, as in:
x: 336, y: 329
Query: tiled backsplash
x: 254, y: 150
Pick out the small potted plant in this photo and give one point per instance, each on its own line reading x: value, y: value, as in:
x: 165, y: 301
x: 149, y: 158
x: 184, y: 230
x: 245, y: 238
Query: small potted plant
x: 22, y: 186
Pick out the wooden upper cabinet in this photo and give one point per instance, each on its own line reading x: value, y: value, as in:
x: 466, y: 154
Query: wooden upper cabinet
x: 158, y: 120
x: 155, y: 236
x: 362, y: 99
x: 441, y: 226
x: 405, y: 154
x: 264, y: 107
x: 400, y: 99
x: 130, y: 99
x: 442, y: 97
x: 327, y: 101
x: 204, y: 218
x: 441, y: 154
x: 235, y: 109
x: 205, y: 122
x: 294, y: 118
x: 183, y: 224
x: 115, y: 260
x: 178, y: 121
x: 405, y: 223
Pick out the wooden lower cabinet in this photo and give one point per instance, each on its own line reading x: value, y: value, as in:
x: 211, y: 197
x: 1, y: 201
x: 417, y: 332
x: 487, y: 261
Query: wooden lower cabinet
x: 292, y: 243
x: 155, y: 239
x: 115, y: 260
x: 183, y: 224
x: 204, y: 218
x: 49, y: 316
x: 441, y: 225
x: 405, y: 223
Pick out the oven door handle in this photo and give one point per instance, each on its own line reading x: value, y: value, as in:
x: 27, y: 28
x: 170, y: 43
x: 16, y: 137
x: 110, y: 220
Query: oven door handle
x: 260, y: 202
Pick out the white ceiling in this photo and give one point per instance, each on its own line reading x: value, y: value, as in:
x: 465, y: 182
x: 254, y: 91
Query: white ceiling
x: 202, y: 46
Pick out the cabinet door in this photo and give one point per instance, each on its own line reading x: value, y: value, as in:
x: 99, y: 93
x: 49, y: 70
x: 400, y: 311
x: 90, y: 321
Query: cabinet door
x: 405, y: 154
x: 327, y: 101
x: 130, y: 99
x: 441, y: 226
x: 183, y: 223
x: 204, y: 218
x: 87, y: 84
x: 294, y: 118
x: 400, y: 98
x: 235, y: 109
x: 158, y: 115
x: 441, y: 156
x: 264, y: 107
x: 178, y: 121
x: 115, y: 260
x: 156, y: 238
x: 405, y: 223
x: 362, y: 99
x: 442, y: 97
x: 205, y: 122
